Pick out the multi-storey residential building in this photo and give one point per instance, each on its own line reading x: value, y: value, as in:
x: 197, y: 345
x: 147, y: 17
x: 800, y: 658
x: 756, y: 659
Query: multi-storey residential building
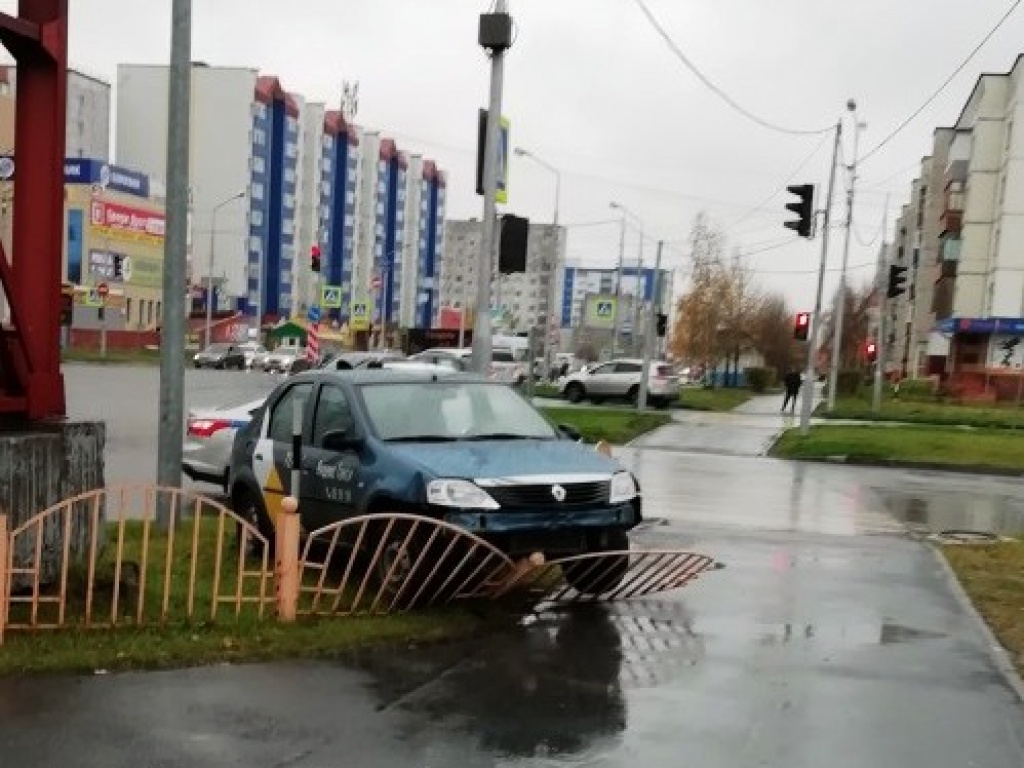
x: 243, y: 158
x: 518, y: 301
x: 966, y: 219
x: 430, y: 228
x: 312, y: 117
x: 87, y: 125
x: 339, y: 185
x: 580, y: 281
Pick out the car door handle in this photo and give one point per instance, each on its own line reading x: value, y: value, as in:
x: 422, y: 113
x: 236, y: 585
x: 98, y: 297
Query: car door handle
x: 259, y: 456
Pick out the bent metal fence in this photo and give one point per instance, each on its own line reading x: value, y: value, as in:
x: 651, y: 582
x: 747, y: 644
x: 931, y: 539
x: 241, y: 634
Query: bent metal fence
x: 101, y: 560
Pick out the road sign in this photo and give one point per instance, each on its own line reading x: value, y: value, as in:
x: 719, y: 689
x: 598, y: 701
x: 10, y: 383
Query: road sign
x: 102, y: 290
x: 93, y: 299
x: 604, y: 309
x: 314, y: 314
x: 330, y: 296
x: 360, y: 316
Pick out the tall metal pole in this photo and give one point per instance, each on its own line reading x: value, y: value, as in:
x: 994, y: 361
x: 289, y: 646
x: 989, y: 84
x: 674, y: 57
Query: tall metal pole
x: 618, y: 287
x: 209, y: 276
x: 172, y: 346
x: 812, y: 342
x: 645, y: 374
x: 881, y: 287
x: 837, y: 335
x: 482, y: 347
x: 638, y: 298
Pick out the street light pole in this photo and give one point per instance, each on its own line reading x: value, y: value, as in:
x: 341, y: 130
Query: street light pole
x: 618, y: 290
x: 837, y: 336
x: 554, y: 263
x: 172, y: 347
x: 649, y: 337
x: 209, y: 270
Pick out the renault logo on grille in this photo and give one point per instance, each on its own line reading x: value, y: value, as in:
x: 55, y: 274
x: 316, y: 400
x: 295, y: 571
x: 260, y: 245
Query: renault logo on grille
x: 558, y: 492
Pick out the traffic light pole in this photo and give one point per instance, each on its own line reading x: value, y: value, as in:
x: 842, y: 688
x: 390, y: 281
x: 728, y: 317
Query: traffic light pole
x: 812, y: 342
x: 649, y: 335
x: 482, y: 342
x: 837, y: 335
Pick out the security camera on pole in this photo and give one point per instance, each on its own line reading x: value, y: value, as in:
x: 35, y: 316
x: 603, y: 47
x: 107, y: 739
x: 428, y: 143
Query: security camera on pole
x: 495, y: 35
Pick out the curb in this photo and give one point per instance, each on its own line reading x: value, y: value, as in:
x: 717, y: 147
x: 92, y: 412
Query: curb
x: 999, y: 655
x: 957, y: 469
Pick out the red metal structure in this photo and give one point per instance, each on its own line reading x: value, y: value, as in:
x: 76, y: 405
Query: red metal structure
x: 31, y: 383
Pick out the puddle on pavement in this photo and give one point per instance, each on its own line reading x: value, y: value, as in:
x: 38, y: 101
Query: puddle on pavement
x: 951, y: 511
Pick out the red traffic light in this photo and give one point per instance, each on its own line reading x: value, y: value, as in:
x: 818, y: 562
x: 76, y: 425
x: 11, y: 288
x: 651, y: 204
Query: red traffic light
x: 314, y: 254
x: 872, y: 351
x: 801, y: 326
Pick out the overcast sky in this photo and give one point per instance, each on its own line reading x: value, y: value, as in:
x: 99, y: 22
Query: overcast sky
x: 592, y: 89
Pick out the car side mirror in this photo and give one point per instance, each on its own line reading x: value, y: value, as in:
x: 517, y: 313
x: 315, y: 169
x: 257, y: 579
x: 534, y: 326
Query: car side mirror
x: 570, y: 432
x: 341, y: 440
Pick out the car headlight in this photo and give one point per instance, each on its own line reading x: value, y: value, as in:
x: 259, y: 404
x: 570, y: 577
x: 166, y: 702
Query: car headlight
x: 623, y: 488
x: 459, y: 493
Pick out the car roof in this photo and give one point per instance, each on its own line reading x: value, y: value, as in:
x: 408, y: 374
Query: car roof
x: 364, y: 376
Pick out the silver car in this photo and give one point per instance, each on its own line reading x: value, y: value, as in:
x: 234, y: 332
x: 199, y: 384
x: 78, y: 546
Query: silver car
x: 620, y: 380
x: 210, y: 432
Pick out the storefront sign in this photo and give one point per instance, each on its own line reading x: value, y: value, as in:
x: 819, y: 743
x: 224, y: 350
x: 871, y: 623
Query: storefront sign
x: 127, y: 222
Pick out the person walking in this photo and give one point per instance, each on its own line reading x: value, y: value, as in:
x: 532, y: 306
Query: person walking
x: 793, y: 382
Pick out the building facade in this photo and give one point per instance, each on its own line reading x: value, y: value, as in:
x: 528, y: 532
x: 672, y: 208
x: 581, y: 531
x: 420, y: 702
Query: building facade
x: 518, y: 301
x: 580, y: 281
x: 965, y: 225
x: 114, y: 235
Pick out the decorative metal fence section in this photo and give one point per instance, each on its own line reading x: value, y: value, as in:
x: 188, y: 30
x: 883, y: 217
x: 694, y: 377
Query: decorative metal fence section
x: 100, y: 560
x: 384, y: 563
x: 610, y: 576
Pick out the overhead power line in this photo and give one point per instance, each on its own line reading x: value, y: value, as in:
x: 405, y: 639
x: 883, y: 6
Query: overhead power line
x: 678, y: 52
x: 945, y: 83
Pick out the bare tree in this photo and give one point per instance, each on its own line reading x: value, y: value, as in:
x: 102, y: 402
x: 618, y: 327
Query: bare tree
x: 856, y: 327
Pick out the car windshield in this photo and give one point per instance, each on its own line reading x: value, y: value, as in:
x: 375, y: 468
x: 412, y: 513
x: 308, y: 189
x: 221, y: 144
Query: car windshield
x: 452, y: 410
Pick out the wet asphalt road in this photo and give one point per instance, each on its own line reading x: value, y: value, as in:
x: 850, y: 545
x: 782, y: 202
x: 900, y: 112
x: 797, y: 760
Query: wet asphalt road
x: 832, y: 638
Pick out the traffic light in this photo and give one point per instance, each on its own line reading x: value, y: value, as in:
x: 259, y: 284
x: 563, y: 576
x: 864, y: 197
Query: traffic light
x: 897, y: 281
x: 662, y: 325
x: 804, y: 209
x: 512, y: 244
x: 314, y: 256
x: 802, y: 326
x: 872, y: 351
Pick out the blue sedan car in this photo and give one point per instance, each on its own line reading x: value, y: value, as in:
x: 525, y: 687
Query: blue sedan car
x: 458, y: 448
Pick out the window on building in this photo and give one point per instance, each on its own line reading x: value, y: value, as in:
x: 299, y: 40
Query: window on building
x: 259, y: 165
x: 255, y: 245
x: 256, y: 217
x: 256, y: 190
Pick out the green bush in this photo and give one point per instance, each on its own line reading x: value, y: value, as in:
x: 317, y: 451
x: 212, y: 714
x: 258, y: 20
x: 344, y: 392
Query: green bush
x: 916, y: 389
x: 759, y: 379
x: 848, y: 383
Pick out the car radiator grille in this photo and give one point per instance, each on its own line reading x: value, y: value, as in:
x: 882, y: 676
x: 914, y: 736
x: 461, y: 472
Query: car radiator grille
x: 533, y: 496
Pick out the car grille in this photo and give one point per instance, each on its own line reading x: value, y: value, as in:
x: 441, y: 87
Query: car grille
x: 534, y: 496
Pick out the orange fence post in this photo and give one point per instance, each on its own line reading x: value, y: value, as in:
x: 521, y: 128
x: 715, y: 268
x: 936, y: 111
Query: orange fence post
x: 5, y: 575
x: 286, y: 571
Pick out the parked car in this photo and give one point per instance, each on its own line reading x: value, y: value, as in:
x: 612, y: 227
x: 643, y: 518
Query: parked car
x: 209, y: 434
x: 620, y: 379
x: 349, y: 360
x: 220, y: 356
x: 253, y: 350
x: 282, y: 359
x: 456, y: 359
x: 461, y: 449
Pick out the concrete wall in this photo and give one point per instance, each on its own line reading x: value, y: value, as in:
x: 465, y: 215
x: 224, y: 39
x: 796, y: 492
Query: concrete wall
x: 88, y: 117
x: 41, y: 468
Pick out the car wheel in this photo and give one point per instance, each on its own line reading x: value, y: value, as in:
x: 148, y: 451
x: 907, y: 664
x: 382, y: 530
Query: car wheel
x: 633, y: 395
x: 248, y: 506
x: 574, y: 393
x: 588, y: 577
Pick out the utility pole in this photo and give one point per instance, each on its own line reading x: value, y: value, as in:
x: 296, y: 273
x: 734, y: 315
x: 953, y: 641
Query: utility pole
x: 209, y: 266
x: 881, y: 286
x: 649, y: 337
x: 617, y: 327
x: 172, y: 347
x: 495, y: 35
x: 837, y: 335
x: 812, y: 342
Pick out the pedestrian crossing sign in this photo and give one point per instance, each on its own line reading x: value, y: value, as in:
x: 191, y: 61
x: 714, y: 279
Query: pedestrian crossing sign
x: 599, y: 311
x: 359, y: 316
x: 330, y: 296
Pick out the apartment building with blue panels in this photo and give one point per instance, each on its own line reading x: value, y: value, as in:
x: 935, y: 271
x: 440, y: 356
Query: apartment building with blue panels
x: 272, y: 193
x: 578, y: 282
x: 338, y: 179
x: 432, y: 189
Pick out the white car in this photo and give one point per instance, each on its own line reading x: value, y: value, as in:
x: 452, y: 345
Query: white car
x: 620, y: 379
x: 209, y: 435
